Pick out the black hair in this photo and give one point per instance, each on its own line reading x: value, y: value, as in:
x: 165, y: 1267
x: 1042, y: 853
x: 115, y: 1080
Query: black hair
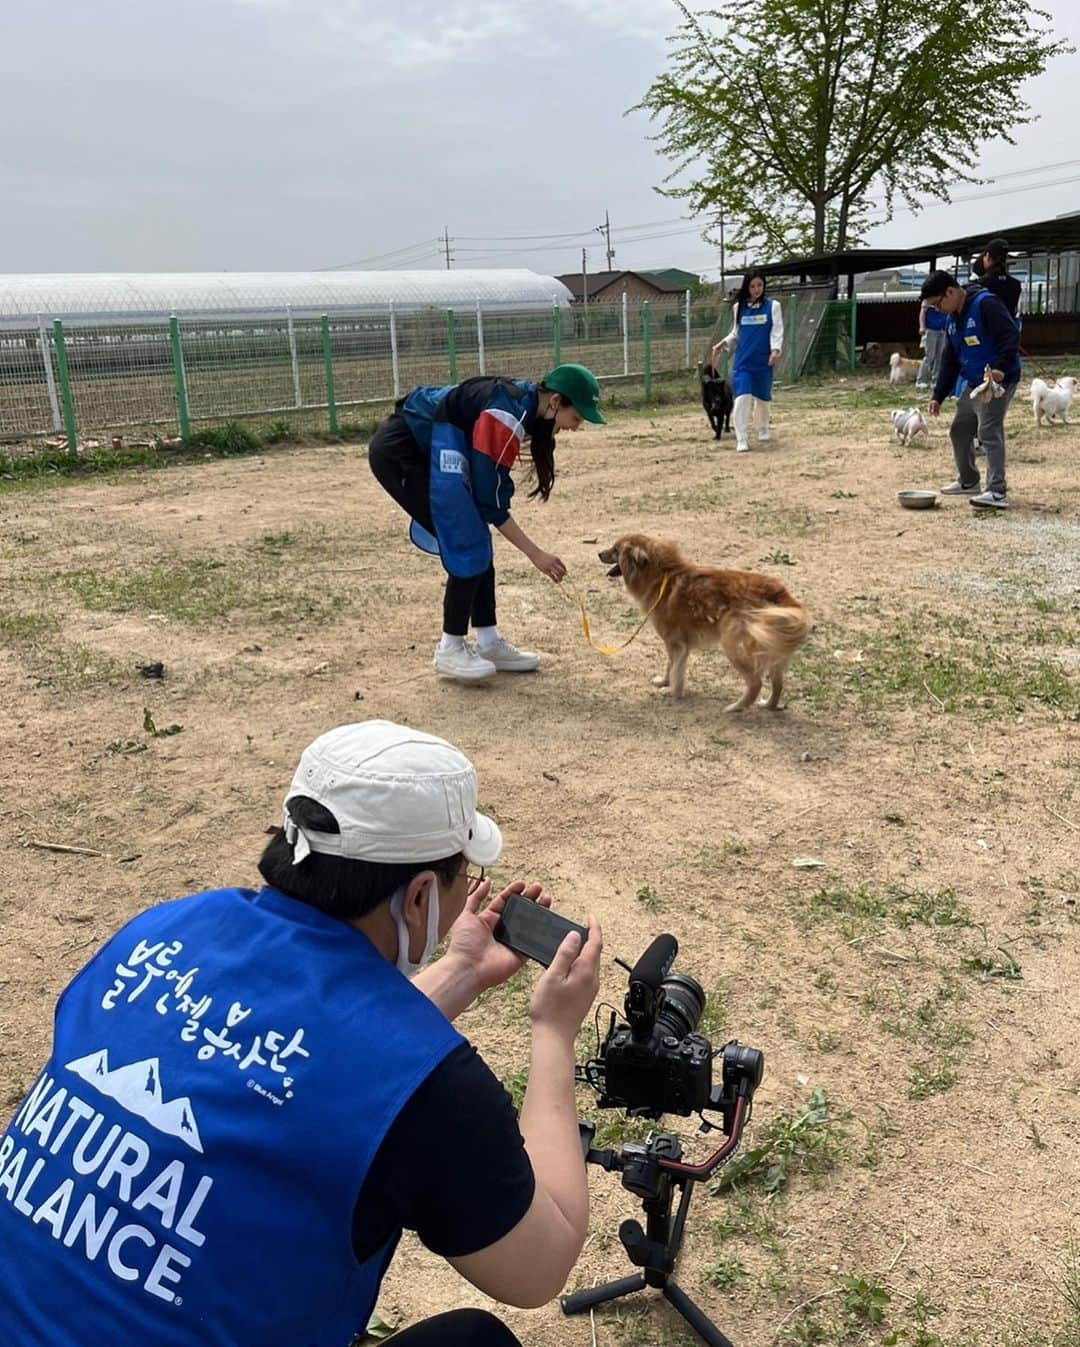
x: 936, y: 284
x: 998, y: 252
x: 744, y: 289
x: 337, y: 885
x: 542, y: 448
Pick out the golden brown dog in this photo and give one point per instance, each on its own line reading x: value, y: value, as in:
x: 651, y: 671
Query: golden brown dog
x: 752, y: 617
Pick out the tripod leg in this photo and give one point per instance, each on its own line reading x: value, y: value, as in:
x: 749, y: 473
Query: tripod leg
x: 581, y: 1301
x: 698, y: 1321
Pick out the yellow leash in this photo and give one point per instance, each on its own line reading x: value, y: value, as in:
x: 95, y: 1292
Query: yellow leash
x: 574, y: 597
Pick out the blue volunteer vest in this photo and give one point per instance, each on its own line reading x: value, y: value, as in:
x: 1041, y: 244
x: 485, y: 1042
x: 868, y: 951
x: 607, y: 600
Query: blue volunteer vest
x: 750, y: 369
x: 184, y: 1170
x: 973, y: 346
x: 462, y: 537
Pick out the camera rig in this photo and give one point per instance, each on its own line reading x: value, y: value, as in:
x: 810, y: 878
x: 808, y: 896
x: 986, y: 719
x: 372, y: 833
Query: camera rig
x: 657, y: 1063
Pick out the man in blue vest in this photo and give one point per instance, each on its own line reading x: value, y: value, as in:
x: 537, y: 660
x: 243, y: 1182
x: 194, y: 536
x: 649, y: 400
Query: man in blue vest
x: 251, y: 1093
x: 981, y: 336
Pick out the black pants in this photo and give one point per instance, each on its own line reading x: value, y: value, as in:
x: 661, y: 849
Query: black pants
x: 458, y: 1328
x: 403, y: 471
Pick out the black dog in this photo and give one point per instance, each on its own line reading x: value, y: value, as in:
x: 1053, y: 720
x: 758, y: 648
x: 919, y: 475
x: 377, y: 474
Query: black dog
x: 717, y: 399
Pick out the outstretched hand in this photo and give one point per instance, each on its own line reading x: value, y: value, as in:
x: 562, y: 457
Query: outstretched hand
x: 472, y: 938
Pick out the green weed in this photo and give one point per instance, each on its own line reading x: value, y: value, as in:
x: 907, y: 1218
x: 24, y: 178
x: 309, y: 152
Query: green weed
x: 726, y: 1274
x: 810, y: 1141
x: 648, y: 898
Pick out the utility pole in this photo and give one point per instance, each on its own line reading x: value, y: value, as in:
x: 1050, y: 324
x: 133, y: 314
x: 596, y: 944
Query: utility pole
x: 723, y: 291
x: 605, y: 229
x: 585, y: 293
x: 446, y: 240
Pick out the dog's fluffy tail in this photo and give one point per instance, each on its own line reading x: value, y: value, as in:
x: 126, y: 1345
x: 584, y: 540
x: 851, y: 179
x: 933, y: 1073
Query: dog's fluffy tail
x: 777, y: 630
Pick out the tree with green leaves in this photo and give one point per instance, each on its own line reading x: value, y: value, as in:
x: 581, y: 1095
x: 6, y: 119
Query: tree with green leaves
x: 804, y: 121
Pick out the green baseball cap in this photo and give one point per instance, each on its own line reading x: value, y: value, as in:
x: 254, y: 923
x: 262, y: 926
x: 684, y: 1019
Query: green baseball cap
x: 580, y: 388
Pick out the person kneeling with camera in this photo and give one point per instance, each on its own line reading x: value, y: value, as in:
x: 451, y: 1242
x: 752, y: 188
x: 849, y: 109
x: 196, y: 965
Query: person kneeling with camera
x: 251, y: 1094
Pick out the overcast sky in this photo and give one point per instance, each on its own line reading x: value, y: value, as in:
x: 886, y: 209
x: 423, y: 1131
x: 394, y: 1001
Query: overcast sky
x: 301, y: 134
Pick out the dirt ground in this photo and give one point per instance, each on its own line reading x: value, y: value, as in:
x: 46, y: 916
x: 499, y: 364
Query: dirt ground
x: 922, y: 973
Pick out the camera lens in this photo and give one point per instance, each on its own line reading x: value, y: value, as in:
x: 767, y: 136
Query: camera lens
x: 684, y: 1000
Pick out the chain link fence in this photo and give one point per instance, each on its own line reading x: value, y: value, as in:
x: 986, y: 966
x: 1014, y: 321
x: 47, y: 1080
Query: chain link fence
x: 70, y: 382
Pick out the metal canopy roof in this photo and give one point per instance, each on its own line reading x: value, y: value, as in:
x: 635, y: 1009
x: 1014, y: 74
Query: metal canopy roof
x: 1059, y: 234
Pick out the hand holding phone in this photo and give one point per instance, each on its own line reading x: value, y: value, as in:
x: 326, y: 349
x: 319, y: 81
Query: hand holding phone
x: 533, y: 931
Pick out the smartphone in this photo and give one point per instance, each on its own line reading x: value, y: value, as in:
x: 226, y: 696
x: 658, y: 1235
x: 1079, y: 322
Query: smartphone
x: 534, y: 931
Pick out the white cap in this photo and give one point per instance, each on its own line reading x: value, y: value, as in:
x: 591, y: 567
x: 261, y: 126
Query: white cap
x: 398, y: 795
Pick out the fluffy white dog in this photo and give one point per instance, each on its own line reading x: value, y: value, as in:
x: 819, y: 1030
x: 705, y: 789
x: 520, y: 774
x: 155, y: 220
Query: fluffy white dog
x: 909, y: 423
x: 1052, y: 400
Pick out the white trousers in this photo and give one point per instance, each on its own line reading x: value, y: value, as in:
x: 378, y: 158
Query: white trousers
x: 740, y: 416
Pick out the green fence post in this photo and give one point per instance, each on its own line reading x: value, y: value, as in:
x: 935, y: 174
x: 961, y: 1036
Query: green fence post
x: 181, y: 382
x: 556, y: 333
x: 328, y: 365
x: 793, y: 327
x: 646, y: 348
x: 451, y: 346
x: 65, y: 387
x: 854, y: 330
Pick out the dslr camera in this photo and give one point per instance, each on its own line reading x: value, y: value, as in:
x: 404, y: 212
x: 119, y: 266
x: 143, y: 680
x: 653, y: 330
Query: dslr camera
x: 656, y: 1062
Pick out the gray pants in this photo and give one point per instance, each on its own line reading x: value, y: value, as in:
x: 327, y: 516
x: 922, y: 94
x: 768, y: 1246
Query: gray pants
x: 985, y: 420
x: 935, y: 344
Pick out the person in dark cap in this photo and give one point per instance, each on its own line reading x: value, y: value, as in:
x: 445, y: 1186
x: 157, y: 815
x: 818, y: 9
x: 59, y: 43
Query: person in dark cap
x: 983, y: 352
x: 991, y: 268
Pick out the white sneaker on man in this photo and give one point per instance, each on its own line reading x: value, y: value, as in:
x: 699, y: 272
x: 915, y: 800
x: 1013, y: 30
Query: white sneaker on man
x: 990, y: 500
x: 741, y: 447
x: 763, y: 437
x: 957, y: 488
x: 464, y: 663
x: 507, y: 658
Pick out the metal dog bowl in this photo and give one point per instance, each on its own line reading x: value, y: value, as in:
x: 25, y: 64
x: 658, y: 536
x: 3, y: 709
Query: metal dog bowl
x: 917, y: 500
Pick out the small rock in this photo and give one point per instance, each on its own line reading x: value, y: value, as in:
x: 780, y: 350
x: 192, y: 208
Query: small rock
x: 807, y: 863
x: 322, y: 668
x: 550, y: 776
x: 154, y: 669
x: 805, y: 757
x: 251, y: 650
x: 590, y: 541
x: 358, y: 696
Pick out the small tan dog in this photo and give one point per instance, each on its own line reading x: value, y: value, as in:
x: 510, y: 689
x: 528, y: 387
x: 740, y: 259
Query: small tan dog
x: 902, y: 370
x: 752, y: 617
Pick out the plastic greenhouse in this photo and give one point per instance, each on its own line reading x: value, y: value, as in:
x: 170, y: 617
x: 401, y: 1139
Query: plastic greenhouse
x: 135, y: 297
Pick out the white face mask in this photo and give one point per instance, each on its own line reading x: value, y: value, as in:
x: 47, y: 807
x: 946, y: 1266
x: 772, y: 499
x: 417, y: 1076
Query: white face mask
x: 403, y: 963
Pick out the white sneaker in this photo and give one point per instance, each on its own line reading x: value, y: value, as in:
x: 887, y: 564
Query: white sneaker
x: 990, y: 500
x: 507, y: 658
x: 764, y: 437
x: 741, y: 447
x: 464, y: 663
x: 957, y: 488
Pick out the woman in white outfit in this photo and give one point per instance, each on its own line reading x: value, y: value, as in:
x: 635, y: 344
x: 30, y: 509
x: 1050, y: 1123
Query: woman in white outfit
x: 757, y: 339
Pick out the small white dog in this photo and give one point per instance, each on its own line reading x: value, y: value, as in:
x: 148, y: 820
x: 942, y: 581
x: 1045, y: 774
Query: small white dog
x: 901, y: 369
x: 908, y: 424
x: 1052, y: 400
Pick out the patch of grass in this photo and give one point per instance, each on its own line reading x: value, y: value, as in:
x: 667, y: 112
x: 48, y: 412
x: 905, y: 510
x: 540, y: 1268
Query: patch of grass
x: 856, y: 909
x: 276, y: 542
x: 778, y: 558
x: 810, y: 1141
x: 648, y: 898
x: 888, y: 665
x: 995, y: 963
x: 726, y: 1274
x: 202, y: 590
x: 194, y: 590
x: 748, y: 1217
x: 280, y: 432
x: 514, y: 1084
x: 230, y: 439
x: 28, y: 627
